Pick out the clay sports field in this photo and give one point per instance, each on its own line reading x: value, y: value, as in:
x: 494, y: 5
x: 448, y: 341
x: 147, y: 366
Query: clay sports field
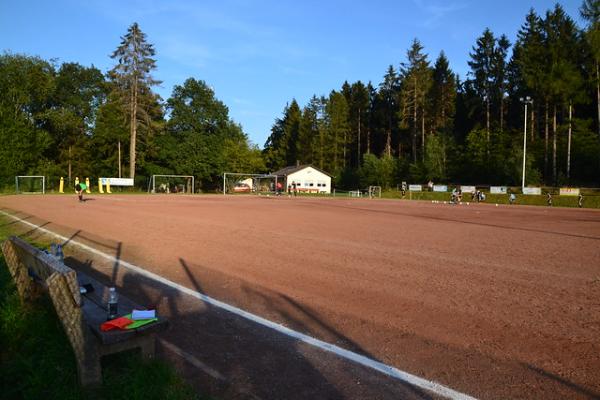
x: 490, y: 302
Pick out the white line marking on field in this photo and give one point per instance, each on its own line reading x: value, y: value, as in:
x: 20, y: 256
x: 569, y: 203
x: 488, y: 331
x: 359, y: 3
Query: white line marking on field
x: 393, y: 372
x: 192, y: 360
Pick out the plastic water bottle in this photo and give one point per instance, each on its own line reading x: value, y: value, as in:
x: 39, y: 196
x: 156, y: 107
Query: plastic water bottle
x: 59, y: 253
x: 112, y: 303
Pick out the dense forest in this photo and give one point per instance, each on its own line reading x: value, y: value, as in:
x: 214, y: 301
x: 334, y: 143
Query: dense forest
x: 72, y: 120
x: 422, y: 122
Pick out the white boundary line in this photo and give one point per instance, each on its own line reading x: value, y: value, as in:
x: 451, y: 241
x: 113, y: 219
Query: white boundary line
x: 192, y: 360
x: 393, y: 372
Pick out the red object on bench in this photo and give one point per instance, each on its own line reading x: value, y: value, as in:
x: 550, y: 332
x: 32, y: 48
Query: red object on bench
x: 117, y: 323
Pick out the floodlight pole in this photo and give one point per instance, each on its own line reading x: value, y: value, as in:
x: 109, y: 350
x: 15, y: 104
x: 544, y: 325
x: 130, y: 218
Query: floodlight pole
x: 526, y: 100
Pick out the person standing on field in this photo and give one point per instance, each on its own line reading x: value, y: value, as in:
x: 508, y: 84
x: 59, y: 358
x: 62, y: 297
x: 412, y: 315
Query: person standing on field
x: 580, y: 200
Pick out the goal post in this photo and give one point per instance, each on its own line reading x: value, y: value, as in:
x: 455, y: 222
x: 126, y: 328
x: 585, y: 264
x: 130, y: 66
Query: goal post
x: 30, y: 184
x: 180, y: 184
x: 235, y: 182
x: 374, y: 191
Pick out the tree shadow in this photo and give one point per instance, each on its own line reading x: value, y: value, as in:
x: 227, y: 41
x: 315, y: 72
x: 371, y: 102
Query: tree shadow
x: 35, y: 230
x: 305, y: 319
x: 14, y: 222
x: 563, y: 382
x: 70, y: 238
x: 308, y: 364
x: 462, y: 221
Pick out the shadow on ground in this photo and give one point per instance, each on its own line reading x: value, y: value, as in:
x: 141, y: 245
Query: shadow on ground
x: 256, y: 362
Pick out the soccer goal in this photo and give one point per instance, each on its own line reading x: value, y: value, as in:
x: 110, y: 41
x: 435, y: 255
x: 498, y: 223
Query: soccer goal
x: 180, y: 184
x: 30, y: 184
x: 374, y: 191
x: 234, y: 182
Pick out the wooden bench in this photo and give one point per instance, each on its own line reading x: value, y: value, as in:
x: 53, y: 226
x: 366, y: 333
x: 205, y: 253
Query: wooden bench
x: 80, y: 315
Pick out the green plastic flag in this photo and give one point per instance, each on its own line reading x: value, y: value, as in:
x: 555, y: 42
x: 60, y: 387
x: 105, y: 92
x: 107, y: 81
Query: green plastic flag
x: 139, y: 322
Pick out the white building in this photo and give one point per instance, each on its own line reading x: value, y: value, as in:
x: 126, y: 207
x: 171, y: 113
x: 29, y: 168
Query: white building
x: 307, y: 178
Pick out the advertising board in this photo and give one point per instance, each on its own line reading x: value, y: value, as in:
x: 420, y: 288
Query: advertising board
x: 532, y: 190
x: 569, y: 191
x: 118, y: 181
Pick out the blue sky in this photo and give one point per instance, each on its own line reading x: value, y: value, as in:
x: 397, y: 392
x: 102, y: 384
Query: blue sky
x: 258, y: 55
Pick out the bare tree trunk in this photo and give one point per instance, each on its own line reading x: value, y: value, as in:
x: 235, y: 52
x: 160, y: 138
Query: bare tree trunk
x: 487, y: 120
x: 70, y: 149
x: 488, y: 125
x: 598, y: 94
x: 133, y: 129
x: 546, y: 133
x: 358, y: 145
x: 423, y: 133
x: 414, y: 127
x: 321, y: 148
x: 532, y: 124
x: 569, y: 140
x: 443, y: 122
x: 344, y: 148
x: 369, y: 140
x: 388, y: 143
x: 554, y: 146
x: 502, y: 115
x: 119, y: 150
x: 335, y: 151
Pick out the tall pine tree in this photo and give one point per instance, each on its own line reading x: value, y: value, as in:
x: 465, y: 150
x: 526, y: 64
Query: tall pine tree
x: 416, y: 82
x: 132, y: 74
x: 590, y: 11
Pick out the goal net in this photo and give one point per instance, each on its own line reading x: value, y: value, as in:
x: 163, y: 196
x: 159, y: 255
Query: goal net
x: 374, y: 191
x: 239, y: 183
x: 30, y: 184
x: 177, y: 184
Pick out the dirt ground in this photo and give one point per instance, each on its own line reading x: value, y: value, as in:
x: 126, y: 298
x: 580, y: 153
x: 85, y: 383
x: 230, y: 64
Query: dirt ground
x: 496, y: 302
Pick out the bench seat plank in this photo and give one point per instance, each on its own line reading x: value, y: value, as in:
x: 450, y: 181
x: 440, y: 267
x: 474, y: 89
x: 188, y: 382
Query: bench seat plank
x: 94, y: 309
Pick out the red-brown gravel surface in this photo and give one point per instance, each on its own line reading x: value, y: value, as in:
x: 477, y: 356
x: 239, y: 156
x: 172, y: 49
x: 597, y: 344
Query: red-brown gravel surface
x: 496, y: 302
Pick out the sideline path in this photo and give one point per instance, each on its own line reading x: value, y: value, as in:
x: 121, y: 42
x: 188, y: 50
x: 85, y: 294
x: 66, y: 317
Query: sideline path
x: 456, y: 295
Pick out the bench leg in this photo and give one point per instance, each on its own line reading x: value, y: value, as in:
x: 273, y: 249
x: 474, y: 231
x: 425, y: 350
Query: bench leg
x: 18, y: 271
x: 148, y: 346
x: 90, y: 371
